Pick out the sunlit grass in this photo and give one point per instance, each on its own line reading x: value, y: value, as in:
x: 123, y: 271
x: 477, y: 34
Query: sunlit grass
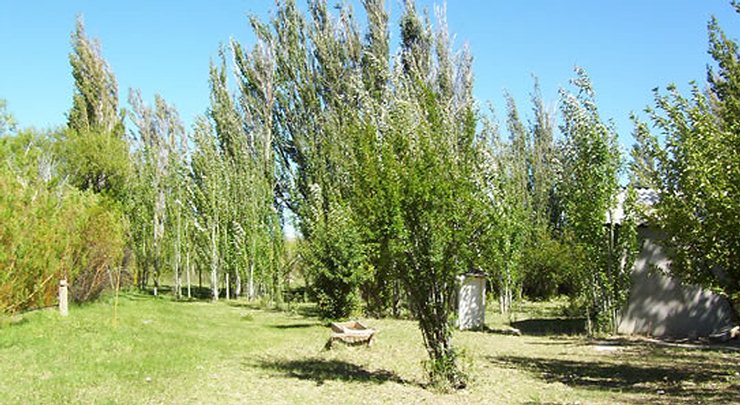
x: 155, y: 350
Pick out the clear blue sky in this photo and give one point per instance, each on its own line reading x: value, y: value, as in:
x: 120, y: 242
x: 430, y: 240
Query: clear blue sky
x: 628, y: 47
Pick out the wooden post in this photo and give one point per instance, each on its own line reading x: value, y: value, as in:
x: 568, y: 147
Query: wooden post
x: 63, y: 305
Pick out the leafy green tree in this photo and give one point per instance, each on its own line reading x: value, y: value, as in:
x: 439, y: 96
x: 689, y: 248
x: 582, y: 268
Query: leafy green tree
x: 591, y: 166
x: 434, y: 121
x: 209, y: 174
x: 511, y: 207
x: 158, y: 141
x: 335, y: 258
x: 50, y: 229
x: 94, y: 150
x: 696, y: 171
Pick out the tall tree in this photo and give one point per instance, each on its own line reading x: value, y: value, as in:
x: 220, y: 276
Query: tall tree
x: 208, y: 198
x: 542, y: 163
x: 435, y: 122
x: 159, y: 141
x: 591, y: 166
x: 94, y: 148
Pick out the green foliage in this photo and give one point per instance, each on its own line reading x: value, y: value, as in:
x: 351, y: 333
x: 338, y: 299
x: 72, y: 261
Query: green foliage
x: 51, y: 230
x: 436, y: 244
x: 335, y: 261
x: 390, y: 154
x: 548, y: 265
x: 591, y: 165
x: 159, y: 145
x: 517, y: 182
x: 96, y: 161
x: 696, y: 171
x: 93, y: 149
x: 95, y: 99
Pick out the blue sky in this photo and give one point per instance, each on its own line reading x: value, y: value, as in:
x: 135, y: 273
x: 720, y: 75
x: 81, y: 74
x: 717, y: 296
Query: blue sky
x: 628, y: 47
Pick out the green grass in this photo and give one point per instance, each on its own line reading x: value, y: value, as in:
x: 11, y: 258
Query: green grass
x: 161, y: 351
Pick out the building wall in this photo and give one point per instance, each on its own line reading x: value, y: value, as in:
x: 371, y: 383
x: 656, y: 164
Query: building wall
x: 661, y: 306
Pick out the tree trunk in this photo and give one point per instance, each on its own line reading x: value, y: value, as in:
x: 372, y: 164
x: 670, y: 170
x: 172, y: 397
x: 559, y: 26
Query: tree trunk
x: 156, y: 275
x: 187, y: 269
x: 178, y: 259
x: 396, y: 299
x: 251, y: 269
x: 214, y: 265
x: 228, y: 285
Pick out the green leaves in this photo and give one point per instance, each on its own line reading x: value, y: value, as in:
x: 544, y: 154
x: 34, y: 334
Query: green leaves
x: 697, y: 172
x: 94, y: 152
x: 51, y: 231
x: 157, y: 189
x: 95, y: 99
x: 335, y: 259
x: 591, y: 167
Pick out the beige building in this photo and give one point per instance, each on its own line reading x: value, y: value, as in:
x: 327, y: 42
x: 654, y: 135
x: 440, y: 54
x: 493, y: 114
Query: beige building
x: 661, y: 305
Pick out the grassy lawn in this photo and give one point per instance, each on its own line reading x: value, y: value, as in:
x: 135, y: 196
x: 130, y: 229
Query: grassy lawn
x: 161, y: 351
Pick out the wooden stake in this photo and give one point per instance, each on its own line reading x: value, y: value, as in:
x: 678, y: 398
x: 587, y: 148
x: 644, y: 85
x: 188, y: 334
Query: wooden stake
x: 63, y: 304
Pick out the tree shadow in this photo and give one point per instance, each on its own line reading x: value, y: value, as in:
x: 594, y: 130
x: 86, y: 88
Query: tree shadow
x: 295, y: 325
x: 319, y: 371
x: 683, y: 344
x: 663, y: 380
x: 244, y: 304
x: 557, y: 326
x: 664, y: 306
x: 308, y: 311
x: 556, y: 342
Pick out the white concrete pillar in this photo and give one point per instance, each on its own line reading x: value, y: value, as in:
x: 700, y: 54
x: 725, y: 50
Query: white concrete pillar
x: 63, y: 300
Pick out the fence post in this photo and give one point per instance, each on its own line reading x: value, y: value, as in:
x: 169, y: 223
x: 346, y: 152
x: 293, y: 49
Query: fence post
x: 63, y: 305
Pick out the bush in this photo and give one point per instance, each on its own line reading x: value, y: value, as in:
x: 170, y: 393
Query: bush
x: 336, y: 263
x: 99, y: 252
x: 548, y: 265
x: 52, y: 232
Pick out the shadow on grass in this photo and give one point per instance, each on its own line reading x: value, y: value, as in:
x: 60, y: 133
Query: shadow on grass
x: 700, y: 378
x: 295, y: 325
x: 554, y: 341
x: 308, y: 311
x: 559, y: 326
x: 319, y: 371
x: 732, y: 346
x: 244, y: 304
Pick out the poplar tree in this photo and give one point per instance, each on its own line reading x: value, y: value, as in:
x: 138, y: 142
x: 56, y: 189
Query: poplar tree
x: 156, y: 190
x: 209, y: 185
x: 94, y: 148
x: 590, y: 185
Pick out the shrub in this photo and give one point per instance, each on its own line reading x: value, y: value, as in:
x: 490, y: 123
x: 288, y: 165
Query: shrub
x: 52, y: 232
x: 336, y: 263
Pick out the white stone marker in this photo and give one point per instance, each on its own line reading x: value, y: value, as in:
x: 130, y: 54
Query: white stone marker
x: 63, y: 305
